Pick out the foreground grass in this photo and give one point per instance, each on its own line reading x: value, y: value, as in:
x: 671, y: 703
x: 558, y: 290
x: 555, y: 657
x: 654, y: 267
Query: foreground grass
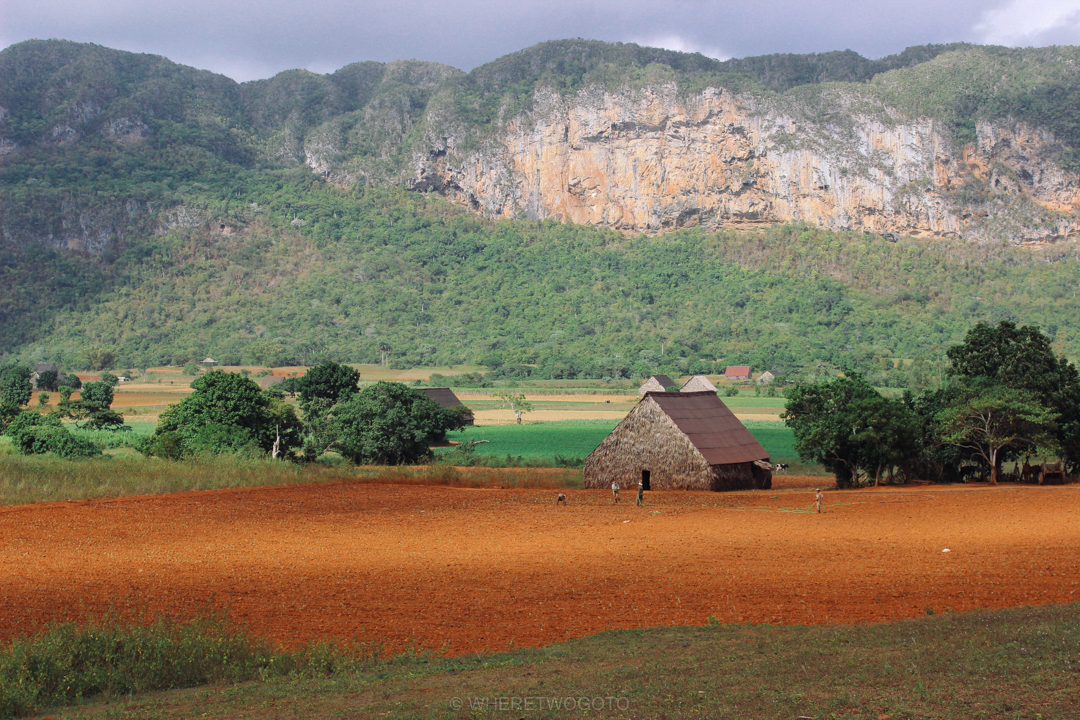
x: 1016, y: 663
x: 43, y: 478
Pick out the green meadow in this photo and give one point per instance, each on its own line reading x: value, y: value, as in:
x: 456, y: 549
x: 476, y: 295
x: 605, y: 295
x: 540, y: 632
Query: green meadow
x: 578, y: 438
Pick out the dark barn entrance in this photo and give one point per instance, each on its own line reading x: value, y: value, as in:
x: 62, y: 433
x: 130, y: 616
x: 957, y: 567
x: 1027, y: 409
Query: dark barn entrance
x: 645, y: 479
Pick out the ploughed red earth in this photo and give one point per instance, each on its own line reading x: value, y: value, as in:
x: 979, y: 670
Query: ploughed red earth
x: 463, y: 570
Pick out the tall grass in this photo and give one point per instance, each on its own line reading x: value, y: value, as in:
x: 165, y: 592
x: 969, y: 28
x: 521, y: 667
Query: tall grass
x: 108, y: 657
x: 43, y: 478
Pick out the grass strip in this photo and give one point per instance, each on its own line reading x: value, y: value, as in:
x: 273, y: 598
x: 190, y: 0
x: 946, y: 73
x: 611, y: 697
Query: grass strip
x: 26, y: 479
x: 1016, y: 663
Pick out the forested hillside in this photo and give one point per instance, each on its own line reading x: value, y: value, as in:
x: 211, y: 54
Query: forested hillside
x: 163, y: 213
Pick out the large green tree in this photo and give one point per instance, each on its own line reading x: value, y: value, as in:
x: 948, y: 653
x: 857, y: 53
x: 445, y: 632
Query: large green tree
x: 226, y: 412
x: 1021, y: 358
x: 847, y: 426
x: 15, y: 391
x: 991, y: 419
x: 391, y: 424
x: 329, y: 382
x: 94, y: 407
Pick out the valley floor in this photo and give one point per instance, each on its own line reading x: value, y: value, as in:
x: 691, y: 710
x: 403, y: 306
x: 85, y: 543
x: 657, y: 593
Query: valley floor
x: 461, y: 570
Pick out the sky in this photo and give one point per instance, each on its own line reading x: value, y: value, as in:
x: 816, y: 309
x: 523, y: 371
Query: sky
x: 252, y: 39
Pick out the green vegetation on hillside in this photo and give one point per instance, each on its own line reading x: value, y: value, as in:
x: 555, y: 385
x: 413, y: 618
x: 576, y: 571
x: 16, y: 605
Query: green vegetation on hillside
x: 199, y: 236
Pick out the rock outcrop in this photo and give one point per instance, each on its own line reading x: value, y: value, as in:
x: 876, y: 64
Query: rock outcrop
x: 653, y: 160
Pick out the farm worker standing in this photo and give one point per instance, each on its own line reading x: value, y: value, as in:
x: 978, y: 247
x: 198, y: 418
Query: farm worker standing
x: 615, y: 491
x: 640, y: 494
x: 817, y: 500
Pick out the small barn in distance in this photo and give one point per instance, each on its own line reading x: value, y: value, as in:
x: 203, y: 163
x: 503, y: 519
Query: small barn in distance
x: 680, y: 441
x: 766, y: 377
x: 698, y: 383
x: 656, y: 383
x: 737, y: 372
x: 446, y: 398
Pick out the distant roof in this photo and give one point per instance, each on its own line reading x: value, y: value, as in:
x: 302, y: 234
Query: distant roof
x: 271, y: 380
x: 44, y: 367
x: 444, y: 396
x: 209, y: 360
x: 698, y: 383
x: 737, y: 371
x: 663, y: 380
x: 713, y: 429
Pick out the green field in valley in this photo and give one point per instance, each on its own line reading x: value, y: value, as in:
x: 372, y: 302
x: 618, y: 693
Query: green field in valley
x: 578, y: 438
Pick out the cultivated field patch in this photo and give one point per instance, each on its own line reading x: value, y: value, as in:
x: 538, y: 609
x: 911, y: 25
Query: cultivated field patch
x: 462, y: 570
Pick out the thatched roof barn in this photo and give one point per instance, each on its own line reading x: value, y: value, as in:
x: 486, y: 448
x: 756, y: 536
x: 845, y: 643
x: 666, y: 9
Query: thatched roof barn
x: 270, y: 381
x: 698, y: 383
x: 766, y: 377
x: 45, y: 367
x: 446, y: 399
x: 656, y: 383
x: 680, y: 441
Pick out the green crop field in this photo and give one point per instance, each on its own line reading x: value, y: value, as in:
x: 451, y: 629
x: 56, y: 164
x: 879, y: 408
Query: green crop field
x: 578, y: 438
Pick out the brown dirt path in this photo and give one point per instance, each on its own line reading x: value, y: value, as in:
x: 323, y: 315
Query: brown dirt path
x: 473, y: 569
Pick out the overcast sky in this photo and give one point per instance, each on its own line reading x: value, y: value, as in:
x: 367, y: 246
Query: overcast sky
x: 249, y: 39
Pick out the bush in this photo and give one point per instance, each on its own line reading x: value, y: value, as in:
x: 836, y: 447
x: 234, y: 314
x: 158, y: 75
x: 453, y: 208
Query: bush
x: 34, y: 434
x: 191, y: 368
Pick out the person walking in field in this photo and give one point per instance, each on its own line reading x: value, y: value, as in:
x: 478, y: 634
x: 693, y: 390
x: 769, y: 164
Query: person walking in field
x: 615, y: 491
x: 817, y: 500
x: 641, y: 494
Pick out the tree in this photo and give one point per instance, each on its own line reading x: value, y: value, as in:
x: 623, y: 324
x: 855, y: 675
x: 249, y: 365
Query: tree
x: 390, y: 424
x: 15, y: 386
x: 94, y: 407
x: 48, y: 380
x: 329, y: 381
x: 516, y: 403
x: 15, y: 391
x: 991, y: 419
x: 849, y: 428
x: 97, y: 358
x: 227, y: 413
x: 1022, y: 359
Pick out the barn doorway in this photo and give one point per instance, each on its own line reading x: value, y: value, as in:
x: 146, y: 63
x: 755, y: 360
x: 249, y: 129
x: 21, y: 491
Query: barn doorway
x: 645, y: 480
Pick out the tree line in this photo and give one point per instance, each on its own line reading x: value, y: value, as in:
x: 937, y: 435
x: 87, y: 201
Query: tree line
x: 1007, y: 396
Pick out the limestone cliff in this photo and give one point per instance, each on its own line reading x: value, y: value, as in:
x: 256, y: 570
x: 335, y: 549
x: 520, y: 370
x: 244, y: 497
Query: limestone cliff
x: 655, y: 159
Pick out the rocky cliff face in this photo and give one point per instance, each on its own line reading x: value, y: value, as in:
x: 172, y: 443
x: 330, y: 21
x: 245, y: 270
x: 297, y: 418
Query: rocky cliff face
x: 653, y: 160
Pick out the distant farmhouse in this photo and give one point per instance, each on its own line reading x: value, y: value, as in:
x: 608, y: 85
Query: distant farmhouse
x: 766, y: 377
x: 446, y: 398
x: 270, y: 381
x: 698, y: 383
x: 44, y: 367
x: 680, y: 441
x: 656, y: 383
x: 737, y: 372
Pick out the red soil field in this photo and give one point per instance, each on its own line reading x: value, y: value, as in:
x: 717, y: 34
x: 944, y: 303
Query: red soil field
x: 464, y: 570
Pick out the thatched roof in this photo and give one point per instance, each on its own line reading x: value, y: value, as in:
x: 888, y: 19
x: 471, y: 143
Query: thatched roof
x: 444, y: 396
x: 656, y: 383
x: 680, y: 440
x: 698, y: 383
x: 711, y: 426
x: 44, y: 367
x: 271, y: 381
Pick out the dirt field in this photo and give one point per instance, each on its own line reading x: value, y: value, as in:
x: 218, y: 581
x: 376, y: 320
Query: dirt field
x: 462, y: 570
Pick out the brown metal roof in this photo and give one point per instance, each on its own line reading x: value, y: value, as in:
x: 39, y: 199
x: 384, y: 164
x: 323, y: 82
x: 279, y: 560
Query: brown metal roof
x: 737, y: 371
x: 444, y: 396
x: 711, y: 426
x: 664, y: 381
